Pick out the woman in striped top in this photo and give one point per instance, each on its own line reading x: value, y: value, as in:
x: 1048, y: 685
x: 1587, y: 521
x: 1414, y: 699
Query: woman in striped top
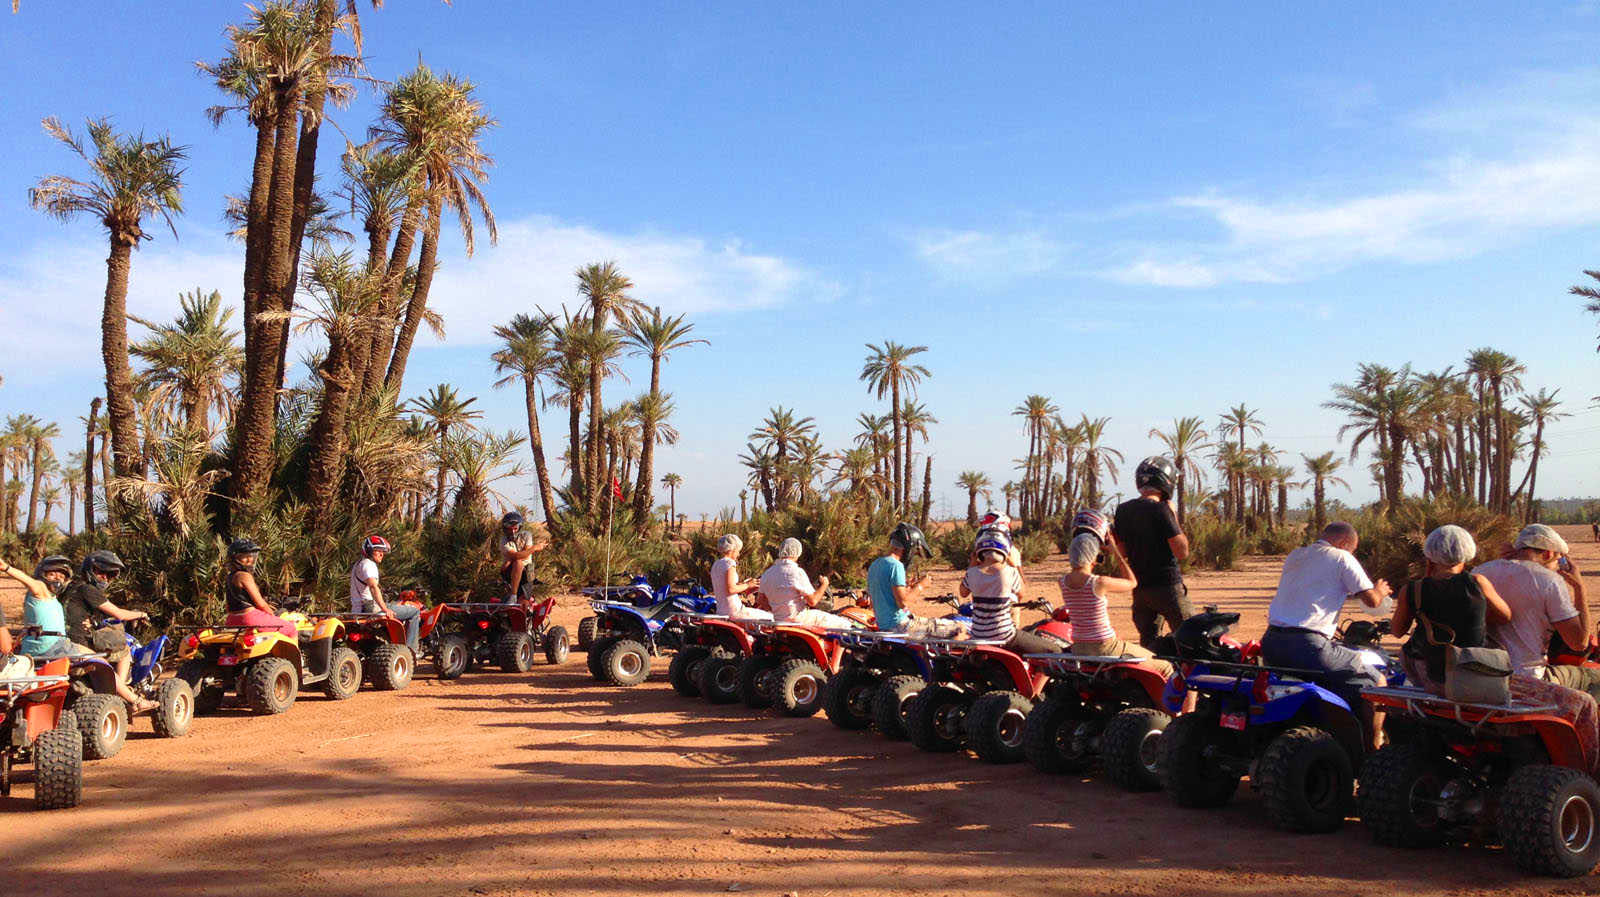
x: 993, y: 584
x: 1084, y: 596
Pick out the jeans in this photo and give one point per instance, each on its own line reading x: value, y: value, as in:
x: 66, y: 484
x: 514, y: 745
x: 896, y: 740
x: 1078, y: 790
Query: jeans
x: 1152, y: 604
x: 410, y: 615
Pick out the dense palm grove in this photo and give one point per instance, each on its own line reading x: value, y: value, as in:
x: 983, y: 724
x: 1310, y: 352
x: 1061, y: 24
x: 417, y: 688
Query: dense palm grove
x: 206, y: 430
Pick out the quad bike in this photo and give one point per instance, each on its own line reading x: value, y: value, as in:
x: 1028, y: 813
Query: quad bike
x: 690, y: 596
x: 711, y: 651
x: 459, y: 636
x: 788, y: 667
x: 266, y: 668
x: 1483, y: 772
x: 628, y: 637
x: 102, y: 715
x: 386, y: 660
x: 1113, y: 709
x: 34, y: 728
x: 853, y: 605
x: 878, y: 674
x: 1299, y: 742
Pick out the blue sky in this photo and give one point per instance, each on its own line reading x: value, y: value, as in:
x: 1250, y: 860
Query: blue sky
x: 1142, y: 212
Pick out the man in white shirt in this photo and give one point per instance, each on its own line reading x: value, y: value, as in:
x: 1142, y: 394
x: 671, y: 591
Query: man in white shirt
x: 1544, y: 598
x: 517, y: 547
x: 367, y: 598
x: 790, y: 594
x: 1317, y: 580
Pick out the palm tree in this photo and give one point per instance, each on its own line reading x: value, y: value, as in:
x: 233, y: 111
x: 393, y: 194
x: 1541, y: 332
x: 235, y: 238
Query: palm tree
x: 672, y: 481
x: 437, y: 121
x: 528, y: 354
x: 654, y: 336
x: 445, y: 410
x: 744, y: 495
x: 974, y: 482
x: 192, y: 362
x: 1186, y: 437
x: 1009, y: 490
x: 651, y: 412
x: 1322, y: 468
x: 131, y: 178
x: 874, y: 435
x: 888, y: 371
x: 780, y: 431
x: 1097, y: 459
x: 763, y: 471
x: 604, y: 289
x: 72, y: 478
x: 39, y: 435
x: 1382, y: 405
x: 1591, y: 294
x: 914, y: 421
x: 1503, y: 373
x: 479, y: 463
x: 1036, y: 412
x: 1238, y: 421
x: 379, y: 183
x: 1541, y: 408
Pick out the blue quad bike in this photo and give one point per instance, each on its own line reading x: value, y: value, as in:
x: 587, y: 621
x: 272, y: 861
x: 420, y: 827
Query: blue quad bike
x: 1299, y: 743
x: 102, y: 715
x: 637, y: 592
x: 626, y: 637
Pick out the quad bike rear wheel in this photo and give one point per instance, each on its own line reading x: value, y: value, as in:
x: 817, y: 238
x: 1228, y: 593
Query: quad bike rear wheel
x: 848, y: 697
x: 597, y: 651
x: 586, y: 630
x: 682, y: 672
x: 556, y: 645
x: 58, y: 765
x: 994, y: 726
x: 1130, y: 746
x: 103, y: 721
x: 755, y: 680
x: 1307, y: 781
x: 390, y: 666
x: 175, y: 707
x: 1550, y: 820
x: 797, y: 686
x: 892, y: 702
x: 719, y: 679
x: 451, y: 660
x: 514, y: 652
x: 1399, y: 795
x: 207, y: 697
x: 1190, y: 769
x: 626, y: 663
x: 271, y: 685
x: 1049, y: 739
x: 935, y: 721
x: 344, y: 674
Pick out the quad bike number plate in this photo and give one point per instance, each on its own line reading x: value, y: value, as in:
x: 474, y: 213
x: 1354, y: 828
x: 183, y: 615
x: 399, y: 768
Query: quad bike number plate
x: 1234, y: 721
x: 227, y: 660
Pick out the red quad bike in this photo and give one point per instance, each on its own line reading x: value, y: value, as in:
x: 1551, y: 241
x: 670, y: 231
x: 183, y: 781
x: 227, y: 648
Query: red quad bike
x: 386, y: 659
x: 788, y: 667
x: 1482, y: 771
x: 707, y: 663
x: 34, y: 728
x: 1113, y: 709
x: 461, y: 635
x: 980, y: 694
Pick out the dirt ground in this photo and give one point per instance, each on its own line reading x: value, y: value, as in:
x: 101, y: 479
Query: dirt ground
x: 550, y: 784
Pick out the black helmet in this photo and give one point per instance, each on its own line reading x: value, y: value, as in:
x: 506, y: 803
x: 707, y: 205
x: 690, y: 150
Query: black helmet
x: 55, y: 563
x: 1200, y: 636
x: 242, y: 546
x: 910, y: 541
x: 1156, y: 472
x: 512, y: 520
x: 102, y: 561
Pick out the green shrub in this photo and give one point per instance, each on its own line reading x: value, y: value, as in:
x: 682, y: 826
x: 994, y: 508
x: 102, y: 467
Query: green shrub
x: 1035, y: 546
x: 1280, y: 540
x: 1213, y: 544
x: 954, y: 546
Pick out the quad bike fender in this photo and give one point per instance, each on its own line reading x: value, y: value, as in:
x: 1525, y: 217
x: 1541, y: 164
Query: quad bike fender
x: 100, y: 675
x: 327, y: 628
x: 804, y: 642
x: 1338, y: 720
x: 728, y: 634
x: 147, y: 657
x: 1289, y: 700
x: 1008, y: 667
x: 624, y: 618
x: 429, y: 619
x: 42, y: 709
x: 540, y: 611
x: 1146, y: 679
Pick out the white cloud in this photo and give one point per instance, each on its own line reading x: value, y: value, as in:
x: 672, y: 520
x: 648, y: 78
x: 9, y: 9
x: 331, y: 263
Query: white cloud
x: 961, y: 254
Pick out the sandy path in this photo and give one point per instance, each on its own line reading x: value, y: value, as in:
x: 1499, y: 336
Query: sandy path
x: 550, y: 784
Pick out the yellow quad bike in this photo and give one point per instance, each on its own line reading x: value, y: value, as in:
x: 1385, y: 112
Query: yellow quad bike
x: 266, y: 668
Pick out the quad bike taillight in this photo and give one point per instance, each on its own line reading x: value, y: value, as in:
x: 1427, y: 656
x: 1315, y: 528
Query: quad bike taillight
x: 1258, y: 691
x: 483, y: 624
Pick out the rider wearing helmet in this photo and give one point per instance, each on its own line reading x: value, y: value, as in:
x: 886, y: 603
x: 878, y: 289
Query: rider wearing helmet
x: 890, y: 591
x: 246, y: 606
x: 994, y: 584
x: 41, y: 609
x: 1147, y: 530
x: 84, y: 603
x: 367, y: 598
x: 516, y: 546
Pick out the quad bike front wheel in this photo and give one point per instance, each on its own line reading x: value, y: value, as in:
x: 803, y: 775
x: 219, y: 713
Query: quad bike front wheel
x: 936, y: 719
x: 207, y: 696
x: 390, y: 667
x: 271, y: 685
x: 344, y: 674
x: 1191, y: 772
x: 1550, y: 820
x: 1130, y: 748
x: 557, y: 645
x: 175, y: 706
x: 848, y: 697
x: 514, y: 652
x: 626, y: 663
x: 1400, y: 796
x: 586, y: 632
x: 892, y: 702
x: 450, y: 661
x: 683, y: 672
x: 1307, y: 781
x: 58, y: 765
x: 797, y: 686
x: 994, y: 726
x: 103, y: 721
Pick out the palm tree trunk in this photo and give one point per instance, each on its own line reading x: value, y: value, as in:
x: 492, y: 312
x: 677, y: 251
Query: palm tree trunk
x: 647, y: 453
x: 105, y: 476
x: 72, y: 512
x: 88, y: 465
x: 910, y: 468
x: 438, y: 486
x: 36, y: 463
x: 257, y: 231
x: 327, y: 436
x: 547, y: 501
x: 114, y: 351
x: 575, y: 455
x: 927, y: 492
x: 389, y: 301
x: 427, y: 263
x: 898, y: 487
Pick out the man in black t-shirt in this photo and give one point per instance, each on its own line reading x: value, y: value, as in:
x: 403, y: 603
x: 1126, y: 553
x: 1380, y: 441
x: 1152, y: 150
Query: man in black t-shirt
x: 1147, y: 529
x: 84, y: 601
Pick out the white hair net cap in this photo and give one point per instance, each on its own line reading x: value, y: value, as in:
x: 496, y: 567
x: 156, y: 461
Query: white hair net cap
x: 1084, y: 549
x: 729, y: 542
x: 1541, y: 538
x: 1450, y: 545
x: 789, y: 549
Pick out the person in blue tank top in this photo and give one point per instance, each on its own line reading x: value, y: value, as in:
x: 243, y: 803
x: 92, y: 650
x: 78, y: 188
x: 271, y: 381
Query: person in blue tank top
x: 41, y: 609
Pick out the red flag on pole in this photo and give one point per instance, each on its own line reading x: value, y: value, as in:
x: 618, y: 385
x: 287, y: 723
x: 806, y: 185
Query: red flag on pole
x: 616, y: 488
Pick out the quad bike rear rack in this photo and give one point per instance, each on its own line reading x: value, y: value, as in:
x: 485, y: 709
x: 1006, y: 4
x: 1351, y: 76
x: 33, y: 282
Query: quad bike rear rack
x: 13, y: 687
x: 1074, y: 663
x: 954, y: 645
x: 1417, y: 702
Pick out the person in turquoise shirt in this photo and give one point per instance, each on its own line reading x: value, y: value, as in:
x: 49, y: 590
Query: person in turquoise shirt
x: 41, y: 609
x: 890, y: 590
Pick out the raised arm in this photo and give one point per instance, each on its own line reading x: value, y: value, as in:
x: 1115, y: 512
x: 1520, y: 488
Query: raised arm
x: 35, y: 588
